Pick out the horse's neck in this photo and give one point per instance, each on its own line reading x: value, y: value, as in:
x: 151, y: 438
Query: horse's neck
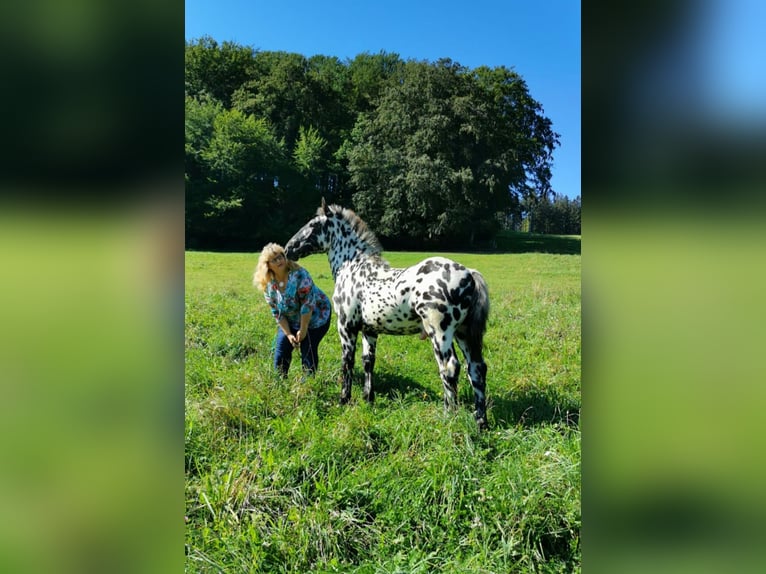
x: 336, y: 262
x: 339, y: 257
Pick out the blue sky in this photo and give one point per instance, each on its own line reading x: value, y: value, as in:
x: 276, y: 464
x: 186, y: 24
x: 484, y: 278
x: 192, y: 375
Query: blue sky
x: 732, y: 45
x: 539, y: 39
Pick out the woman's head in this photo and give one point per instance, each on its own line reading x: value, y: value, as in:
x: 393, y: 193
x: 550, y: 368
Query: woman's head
x: 271, y: 260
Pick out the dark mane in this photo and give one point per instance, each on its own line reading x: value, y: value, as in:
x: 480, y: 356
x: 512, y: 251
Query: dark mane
x: 360, y: 227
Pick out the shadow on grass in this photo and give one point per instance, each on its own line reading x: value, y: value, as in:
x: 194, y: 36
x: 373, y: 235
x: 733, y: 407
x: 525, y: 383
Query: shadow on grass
x: 395, y: 385
x: 519, y: 242
x: 526, y: 406
x: 532, y: 407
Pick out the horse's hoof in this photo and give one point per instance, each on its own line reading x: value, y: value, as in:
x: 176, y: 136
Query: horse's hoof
x: 344, y: 400
x: 482, y: 423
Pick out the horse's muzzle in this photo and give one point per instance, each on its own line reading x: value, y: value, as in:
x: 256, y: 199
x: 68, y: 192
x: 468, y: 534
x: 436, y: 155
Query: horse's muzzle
x: 294, y: 251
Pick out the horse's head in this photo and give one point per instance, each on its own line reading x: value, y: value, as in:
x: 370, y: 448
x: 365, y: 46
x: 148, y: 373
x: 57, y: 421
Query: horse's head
x: 314, y: 237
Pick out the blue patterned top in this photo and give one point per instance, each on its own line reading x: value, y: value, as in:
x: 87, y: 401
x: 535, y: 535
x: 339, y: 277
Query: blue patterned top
x: 299, y: 297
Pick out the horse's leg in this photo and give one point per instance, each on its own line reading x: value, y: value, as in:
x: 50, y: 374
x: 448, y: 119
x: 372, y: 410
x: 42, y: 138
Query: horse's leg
x: 369, y: 343
x: 477, y: 373
x: 348, y: 351
x: 449, y: 366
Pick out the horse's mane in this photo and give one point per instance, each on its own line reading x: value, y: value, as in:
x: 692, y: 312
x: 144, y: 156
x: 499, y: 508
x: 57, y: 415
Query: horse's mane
x: 359, y: 227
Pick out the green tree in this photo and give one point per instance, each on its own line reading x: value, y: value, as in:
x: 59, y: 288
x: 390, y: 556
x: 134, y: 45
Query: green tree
x: 233, y: 165
x: 559, y: 215
x: 308, y: 152
x: 244, y: 159
x: 200, y: 114
x: 522, y: 138
x: 424, y: 151
x: 333, y: 116
x: 293, y: 92
x: 447, y: 151
x: 369, y: 75
x: 279, y: 92
x: 216, y: 70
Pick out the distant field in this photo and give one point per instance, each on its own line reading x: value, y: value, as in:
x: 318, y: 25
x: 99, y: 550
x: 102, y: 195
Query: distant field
x: 280, y: 478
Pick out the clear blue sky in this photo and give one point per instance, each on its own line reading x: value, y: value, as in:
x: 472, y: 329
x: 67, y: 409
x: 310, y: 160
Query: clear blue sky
x: 539, y: 39
x: 732, y: 45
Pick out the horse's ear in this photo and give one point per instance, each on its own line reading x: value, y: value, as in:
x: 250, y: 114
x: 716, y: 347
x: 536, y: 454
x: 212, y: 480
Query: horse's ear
x: 323, y: 207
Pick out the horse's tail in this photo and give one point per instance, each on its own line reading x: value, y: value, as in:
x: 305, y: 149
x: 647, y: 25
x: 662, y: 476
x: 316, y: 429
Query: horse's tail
x: 478, y: 314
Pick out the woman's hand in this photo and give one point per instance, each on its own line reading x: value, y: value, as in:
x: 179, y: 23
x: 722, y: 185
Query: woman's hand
x: 294, y: 340
x: 301, y: 335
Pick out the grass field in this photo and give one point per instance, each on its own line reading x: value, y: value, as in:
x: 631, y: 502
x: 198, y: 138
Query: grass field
x: 280, y: 478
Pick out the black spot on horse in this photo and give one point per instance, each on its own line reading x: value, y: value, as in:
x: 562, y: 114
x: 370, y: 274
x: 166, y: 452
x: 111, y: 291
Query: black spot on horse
x: 428, y: 267
x: 443, y: 285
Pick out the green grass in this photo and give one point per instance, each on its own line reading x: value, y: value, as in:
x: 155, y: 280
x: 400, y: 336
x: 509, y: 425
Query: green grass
x: 280, y: 478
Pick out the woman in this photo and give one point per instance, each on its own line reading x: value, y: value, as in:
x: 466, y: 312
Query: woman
x: 302, y: 311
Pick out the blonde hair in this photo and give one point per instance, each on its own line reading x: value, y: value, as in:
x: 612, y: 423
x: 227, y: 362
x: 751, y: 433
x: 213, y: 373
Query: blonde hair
x: 263, y: 275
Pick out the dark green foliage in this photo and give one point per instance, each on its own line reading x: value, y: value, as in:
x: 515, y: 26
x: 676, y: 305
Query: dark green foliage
x: 232, y: 163
x: 216, y: 70
x: 428, y: 153
x: 447, y: 150
x: 560, y: 216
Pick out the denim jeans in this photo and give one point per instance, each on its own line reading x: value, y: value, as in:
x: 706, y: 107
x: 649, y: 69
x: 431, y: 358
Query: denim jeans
x: 283, y: 352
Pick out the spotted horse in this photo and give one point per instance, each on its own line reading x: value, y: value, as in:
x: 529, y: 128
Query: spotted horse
x: 446, y: 300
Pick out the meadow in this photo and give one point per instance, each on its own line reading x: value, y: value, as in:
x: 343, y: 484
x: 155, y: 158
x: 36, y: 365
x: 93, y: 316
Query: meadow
x: 281, y: 478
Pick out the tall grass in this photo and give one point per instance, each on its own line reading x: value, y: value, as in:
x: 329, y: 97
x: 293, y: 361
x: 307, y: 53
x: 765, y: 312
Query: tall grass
x: 280, y: 478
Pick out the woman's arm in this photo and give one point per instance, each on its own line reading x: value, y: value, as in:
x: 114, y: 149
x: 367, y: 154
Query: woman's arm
x: 281, y: 320
x: 305, y: 319
x: 284, y: 325
x: 305, y: 295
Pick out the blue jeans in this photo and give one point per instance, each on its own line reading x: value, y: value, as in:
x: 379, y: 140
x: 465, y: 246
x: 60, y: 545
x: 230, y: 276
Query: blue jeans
x: 283, y: 352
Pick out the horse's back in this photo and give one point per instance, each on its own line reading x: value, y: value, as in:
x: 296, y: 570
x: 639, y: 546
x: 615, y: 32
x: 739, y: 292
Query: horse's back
x: 439, y: 275
x: 399, y: 300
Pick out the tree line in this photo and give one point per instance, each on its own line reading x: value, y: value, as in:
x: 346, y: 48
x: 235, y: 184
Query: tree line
x: 429, y: 154
x: 555, y: 215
